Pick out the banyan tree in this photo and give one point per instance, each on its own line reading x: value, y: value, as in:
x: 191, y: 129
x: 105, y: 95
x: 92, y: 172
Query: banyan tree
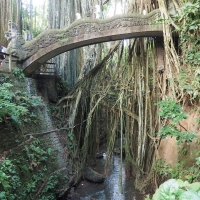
x: 116, y: 98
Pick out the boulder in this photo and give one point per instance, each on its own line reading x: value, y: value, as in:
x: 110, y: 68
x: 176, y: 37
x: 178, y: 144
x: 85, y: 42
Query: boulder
x: 92, y: 176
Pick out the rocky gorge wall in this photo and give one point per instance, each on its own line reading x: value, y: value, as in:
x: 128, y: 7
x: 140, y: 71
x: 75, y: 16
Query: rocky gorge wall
x: 36, y: 148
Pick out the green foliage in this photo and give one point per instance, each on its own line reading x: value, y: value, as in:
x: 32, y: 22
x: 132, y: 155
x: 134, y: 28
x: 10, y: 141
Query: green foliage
x: 47, y: 192
x: 35, y: 153
x: 24, y: 99
x: 164, y: 169
x: 52, y: 108
x: 198, y: 161
x: 190, y: 86
x: 9, y: 180
x: 189, y: 27
x: 14, y: 183
x: 172, y: 111
x: 160, y: 20
x: 17, y: 106
x: 19, y: 74
x: 71, y: 142
x: 8, y: 105
x: 4, y: 78
x: 177, y: 189
x: 173, y: 132
x: 179, y: 171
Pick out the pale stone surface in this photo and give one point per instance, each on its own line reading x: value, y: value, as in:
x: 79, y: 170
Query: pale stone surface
x: 168, y: 150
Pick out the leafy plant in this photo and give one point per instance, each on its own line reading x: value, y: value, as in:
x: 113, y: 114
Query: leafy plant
x: 8, y: 107
x: 179, y: 171
x: 9, y: 179
x: 163, y: 169
x: 19, y: 74
x: 52, y: 183
x: 71, y: 140
x: 189, y: 26
x: 36, y: 153
x: 12, y: 183
x: 198, y: 161
x: 172, y: 111
x: 190, y: 86
x: 177, y: 189
x: 16, y: 105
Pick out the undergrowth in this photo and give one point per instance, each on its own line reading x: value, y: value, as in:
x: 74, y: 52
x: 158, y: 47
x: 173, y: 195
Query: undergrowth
x: 16, y: 105
x: 21, y: 175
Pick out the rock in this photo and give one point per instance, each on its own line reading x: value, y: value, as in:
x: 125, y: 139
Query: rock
x: 92, y: 176
x: 99, y: 155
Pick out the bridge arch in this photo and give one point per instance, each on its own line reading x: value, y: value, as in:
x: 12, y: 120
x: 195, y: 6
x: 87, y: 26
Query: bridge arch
x: 85, y: 32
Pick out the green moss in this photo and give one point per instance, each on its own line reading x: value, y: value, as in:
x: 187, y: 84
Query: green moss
x: 64, y: 41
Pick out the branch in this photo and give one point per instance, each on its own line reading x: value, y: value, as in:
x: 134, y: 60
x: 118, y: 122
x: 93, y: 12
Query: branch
x: 5, y: 153
x: 92, y: 72
x: 43, y: 133
x: 105, y: 2
x: 129, y: 113
x: 55, y: 130
x: 182, y: 127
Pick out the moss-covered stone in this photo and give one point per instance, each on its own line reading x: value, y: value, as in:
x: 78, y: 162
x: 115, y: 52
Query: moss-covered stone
x: 93, y: 176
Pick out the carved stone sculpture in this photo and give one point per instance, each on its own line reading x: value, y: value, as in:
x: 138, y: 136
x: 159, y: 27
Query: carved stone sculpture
x: 15, y: 46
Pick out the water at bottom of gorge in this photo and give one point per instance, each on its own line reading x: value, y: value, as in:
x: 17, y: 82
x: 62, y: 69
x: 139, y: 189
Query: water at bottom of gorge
x: 110, y: 189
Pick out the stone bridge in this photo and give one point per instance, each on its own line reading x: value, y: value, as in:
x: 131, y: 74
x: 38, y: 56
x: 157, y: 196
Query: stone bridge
x: 81, y: 33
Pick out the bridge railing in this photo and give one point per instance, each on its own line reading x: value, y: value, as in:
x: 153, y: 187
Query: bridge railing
x: 46, y: 69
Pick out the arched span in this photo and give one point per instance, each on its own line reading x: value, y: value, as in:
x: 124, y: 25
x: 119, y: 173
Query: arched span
x: 85, y: 32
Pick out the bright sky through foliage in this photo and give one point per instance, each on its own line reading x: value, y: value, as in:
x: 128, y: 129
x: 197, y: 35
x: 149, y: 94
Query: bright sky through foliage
x: 38, y: 2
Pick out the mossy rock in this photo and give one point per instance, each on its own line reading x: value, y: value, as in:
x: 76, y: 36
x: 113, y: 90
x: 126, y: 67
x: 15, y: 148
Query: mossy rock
x: 92, y: 176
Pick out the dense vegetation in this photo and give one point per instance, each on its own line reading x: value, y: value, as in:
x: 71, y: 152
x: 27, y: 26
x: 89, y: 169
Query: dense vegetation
x: 16, y: 104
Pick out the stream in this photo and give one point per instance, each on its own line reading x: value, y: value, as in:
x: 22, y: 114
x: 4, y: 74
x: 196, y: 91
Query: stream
x: 110, y: 189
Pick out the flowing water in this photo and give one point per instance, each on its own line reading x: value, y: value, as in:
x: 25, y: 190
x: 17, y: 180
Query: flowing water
x: 31, y: 86
x: 110, y: 189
